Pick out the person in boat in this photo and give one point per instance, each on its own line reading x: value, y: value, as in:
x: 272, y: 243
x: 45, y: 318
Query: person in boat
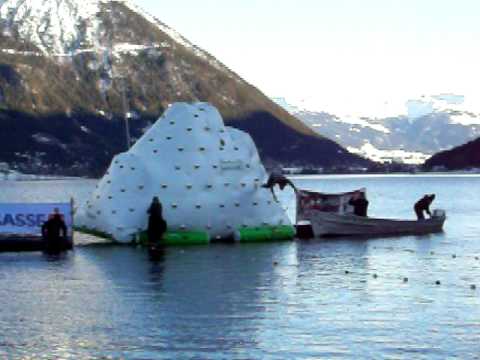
x: 359, y: 203
x: 423, y: 205
x: 54, y: 232
x: 280, y: 180
x: 157, y: 226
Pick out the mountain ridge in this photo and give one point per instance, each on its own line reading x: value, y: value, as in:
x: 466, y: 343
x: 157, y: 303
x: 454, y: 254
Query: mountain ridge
x: 131, y: 62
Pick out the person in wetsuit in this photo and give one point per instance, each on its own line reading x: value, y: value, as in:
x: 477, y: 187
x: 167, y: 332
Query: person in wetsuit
x: 359, y: 203
x: 157, y: 226
x: 423, y: 205
x: 54, y: 232
x: 280, y: 180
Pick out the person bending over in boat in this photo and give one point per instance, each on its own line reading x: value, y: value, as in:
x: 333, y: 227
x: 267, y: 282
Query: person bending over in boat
x: 359, y: 203
x: 280, y: 180
x: 157, y: 226
x: 423, y: 205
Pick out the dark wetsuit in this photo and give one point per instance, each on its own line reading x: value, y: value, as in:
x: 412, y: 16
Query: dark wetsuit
x: 156, y: 224
x: 360, y: 206
x: 280, y: 180
x: 54, y: 232
x: 423, y: 205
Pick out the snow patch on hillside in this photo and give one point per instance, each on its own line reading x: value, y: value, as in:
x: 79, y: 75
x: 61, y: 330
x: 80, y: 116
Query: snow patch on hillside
x: 389, y: 156
x: 69, y: 27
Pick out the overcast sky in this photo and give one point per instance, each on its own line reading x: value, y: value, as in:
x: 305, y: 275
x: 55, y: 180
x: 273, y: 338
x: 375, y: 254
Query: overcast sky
x: 358, y: 56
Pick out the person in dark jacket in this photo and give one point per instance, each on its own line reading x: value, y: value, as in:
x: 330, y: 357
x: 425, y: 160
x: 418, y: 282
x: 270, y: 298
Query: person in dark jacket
x: 423, y: 205
x: 359, y: 203
x: 54, y: 232
x: 280, y: 180
x: 157, y: 226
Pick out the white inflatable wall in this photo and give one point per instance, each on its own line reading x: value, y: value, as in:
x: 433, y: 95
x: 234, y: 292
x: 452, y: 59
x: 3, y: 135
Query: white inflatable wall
x: 207, y: 177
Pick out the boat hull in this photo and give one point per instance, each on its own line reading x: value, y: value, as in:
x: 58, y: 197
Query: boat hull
x: 331, y: 224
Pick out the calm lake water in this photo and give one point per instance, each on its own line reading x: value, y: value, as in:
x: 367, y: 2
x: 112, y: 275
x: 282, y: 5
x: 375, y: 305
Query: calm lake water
x: 234, y: 302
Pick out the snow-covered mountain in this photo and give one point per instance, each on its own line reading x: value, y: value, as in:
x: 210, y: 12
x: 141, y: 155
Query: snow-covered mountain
x: 70, y: 70
x: 428, y: 125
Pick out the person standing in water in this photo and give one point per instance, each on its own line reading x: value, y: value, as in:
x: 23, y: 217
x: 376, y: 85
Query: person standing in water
x: 54, y: 232
x: 157, y: 226
x: 280, y: 180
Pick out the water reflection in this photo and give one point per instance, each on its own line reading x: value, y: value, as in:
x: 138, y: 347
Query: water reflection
x: 260, y: 301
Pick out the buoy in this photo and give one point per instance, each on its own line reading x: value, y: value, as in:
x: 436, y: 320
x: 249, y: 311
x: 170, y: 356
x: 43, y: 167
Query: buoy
x: 375, y: 276
x: 473, y: 286
x: 275, y: 263
x: 437, y: 282
x: 347, y: 272
x: 476, y: 257
x: 405, y: 279
x: 431, y: 253
x: 454, y: 256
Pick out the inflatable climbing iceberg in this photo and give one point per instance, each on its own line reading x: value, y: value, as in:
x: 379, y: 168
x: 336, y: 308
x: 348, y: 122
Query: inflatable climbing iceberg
x: 207, y: 176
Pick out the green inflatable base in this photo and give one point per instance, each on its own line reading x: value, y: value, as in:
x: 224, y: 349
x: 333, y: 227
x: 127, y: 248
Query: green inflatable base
x: 179, y: 238
x: 266, y: 233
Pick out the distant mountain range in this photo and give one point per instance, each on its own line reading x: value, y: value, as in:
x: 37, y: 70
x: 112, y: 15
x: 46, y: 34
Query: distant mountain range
x: 430, y: 125
x: 70, y: 68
